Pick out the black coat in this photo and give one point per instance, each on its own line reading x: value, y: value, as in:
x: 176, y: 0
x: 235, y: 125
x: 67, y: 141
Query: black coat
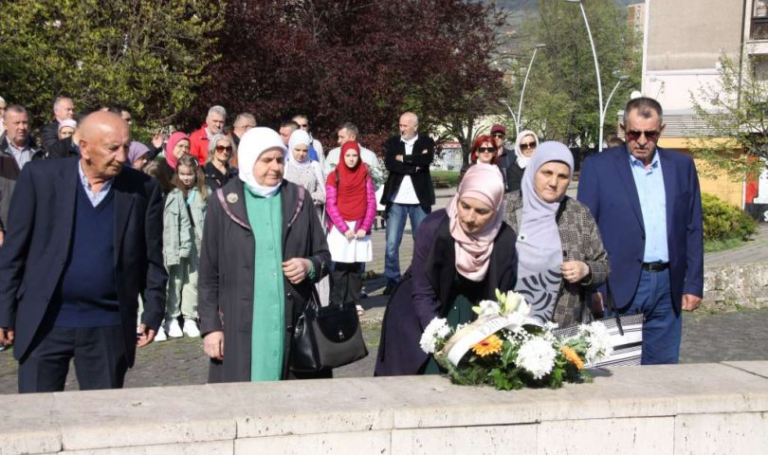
x: 225, y: 283
x: 416, y: 165
x: 514, y: 176
x: 428, y: 290
x: 37, y: 245
x: 62, y: 148
x: 49, y: 135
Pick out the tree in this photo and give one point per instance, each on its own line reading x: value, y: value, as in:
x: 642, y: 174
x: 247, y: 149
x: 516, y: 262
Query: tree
x: 149, y: 55
x: 734, y: 112
x: 561, y: 99
x: 344, y: 60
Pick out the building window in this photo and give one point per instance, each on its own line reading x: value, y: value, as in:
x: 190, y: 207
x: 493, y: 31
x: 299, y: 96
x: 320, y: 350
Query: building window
x: 759, y: 29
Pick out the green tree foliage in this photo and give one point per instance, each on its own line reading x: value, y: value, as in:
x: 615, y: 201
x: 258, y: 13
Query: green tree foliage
x: 561, y: 100
x: 149, y: 55
x: 724, y: 222
x: 734, y: 108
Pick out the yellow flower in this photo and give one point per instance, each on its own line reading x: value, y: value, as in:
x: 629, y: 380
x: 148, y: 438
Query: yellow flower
x: 571, y: 356
x: 489, y: 346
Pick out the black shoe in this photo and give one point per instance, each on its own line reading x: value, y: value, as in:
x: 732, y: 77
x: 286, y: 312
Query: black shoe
x: 388, y: 290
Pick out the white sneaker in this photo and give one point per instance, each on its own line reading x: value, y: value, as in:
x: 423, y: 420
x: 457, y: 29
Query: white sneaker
x: 174, y: 329
x: 160, y: 335
x: 190, y: 328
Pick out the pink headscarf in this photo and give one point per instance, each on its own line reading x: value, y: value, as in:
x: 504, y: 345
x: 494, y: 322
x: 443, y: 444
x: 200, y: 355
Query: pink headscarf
x: 485, y: 183
x: 170, y: 145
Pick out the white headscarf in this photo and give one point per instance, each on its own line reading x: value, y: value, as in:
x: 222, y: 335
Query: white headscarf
x: 254, y: 143
x: 302, y: 137
x: 298, y: 137
x: 523, y: 160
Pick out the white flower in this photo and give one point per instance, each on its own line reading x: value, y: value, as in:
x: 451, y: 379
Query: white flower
x: 537, y: 356
x: 489, y: 308
x: 515, y: 320
x: 598, y: 341
x: 549, y: 325
x: 435, y: 333
x: 512, y: 302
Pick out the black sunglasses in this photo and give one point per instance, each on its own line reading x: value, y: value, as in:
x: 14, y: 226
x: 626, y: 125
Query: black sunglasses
x: 485, y: 149
x: 497, y: 134
x: 652, y: 135
x: 221, y: 148
x: 528, y: 145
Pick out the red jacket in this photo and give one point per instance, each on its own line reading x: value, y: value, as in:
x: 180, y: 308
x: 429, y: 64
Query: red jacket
x: 198, y: 145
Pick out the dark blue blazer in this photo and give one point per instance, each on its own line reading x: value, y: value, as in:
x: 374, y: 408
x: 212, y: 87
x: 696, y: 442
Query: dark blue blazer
x: 607, y: 187
x: 38, y: 241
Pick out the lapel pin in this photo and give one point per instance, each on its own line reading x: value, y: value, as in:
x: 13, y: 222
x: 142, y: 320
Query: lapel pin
x: 232, y: 198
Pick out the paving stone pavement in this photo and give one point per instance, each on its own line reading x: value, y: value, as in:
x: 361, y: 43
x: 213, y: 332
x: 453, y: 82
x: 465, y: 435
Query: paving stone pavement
x: 706, y: 338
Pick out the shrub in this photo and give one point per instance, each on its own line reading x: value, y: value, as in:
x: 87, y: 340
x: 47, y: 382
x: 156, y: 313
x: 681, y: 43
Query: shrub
x: 723, y: 221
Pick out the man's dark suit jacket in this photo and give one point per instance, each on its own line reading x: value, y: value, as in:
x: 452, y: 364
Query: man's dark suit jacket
x: 608, y: 188
x: 416, y: 165
x: 37, y: 246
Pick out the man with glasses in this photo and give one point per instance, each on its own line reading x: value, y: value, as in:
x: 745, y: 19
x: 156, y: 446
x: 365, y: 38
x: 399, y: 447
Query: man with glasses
x: 505, y: 155
x: 647, y: 204
x: 316, y: 152
x: 243, y: 123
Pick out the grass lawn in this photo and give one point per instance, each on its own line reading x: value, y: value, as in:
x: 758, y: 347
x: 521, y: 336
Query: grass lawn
x: 445, y: 179
x: 713, y: 246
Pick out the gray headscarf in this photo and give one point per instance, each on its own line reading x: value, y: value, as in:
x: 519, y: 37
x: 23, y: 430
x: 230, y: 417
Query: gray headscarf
x: 539, y: 249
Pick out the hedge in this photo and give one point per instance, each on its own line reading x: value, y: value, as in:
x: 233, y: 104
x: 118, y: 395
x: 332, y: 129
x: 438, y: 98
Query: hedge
x: 723, y: 221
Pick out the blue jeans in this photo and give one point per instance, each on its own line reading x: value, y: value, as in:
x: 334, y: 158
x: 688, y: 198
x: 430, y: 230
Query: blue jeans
x: 396, y: 217
x: 663, y: 326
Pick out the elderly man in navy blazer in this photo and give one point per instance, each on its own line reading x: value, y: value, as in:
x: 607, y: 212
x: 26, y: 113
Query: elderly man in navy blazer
x: 647, y: 204
x: 85, y: 241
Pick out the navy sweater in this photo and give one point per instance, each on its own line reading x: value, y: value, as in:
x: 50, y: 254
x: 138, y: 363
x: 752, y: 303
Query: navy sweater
x: 87, y: 293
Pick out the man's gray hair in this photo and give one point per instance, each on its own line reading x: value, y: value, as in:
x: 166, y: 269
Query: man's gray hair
x: 645, y: 107
x: 351, y: 129
x: 415, y: 117
x: 2, y: 100
x: 215, y: 140
x: 245, y: 116
x: 59, y: 99
x: 16, y: 109
x: 217, y: 109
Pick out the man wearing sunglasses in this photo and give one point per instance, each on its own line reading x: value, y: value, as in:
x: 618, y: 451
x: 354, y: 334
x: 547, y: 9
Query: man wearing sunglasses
x: 647, y: 204
x: 505, y: 155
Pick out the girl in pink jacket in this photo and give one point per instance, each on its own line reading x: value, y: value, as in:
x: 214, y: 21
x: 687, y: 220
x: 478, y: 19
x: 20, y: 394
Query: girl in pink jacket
x: 351, y: 207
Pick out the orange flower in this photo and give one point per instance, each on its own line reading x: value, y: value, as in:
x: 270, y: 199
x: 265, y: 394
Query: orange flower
x: 571, y: 356
x: 489, y: 346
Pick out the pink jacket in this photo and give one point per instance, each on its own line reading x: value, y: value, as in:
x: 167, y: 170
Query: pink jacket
x: 332, y: 209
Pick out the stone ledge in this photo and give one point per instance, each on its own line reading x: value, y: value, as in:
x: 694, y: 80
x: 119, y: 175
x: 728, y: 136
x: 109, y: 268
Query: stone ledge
x: 735, y: 286
x: 399, y: 415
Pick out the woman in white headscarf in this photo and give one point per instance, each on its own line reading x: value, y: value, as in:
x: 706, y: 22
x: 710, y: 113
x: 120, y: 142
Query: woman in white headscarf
x: 560, y: 253
x: 525, y: 145
x: 299, y: 169
x: 263, y: 250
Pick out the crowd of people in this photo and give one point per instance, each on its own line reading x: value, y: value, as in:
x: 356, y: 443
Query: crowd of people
x: 108, y: 244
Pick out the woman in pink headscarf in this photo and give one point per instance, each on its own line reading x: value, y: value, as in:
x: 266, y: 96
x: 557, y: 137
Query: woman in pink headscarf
x: 463, y: 253
x: 176, y: 147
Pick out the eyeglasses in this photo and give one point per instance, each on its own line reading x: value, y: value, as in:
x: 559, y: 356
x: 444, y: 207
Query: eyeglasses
x: 528, y: 145
x: 485, y: 149
x: 651, y: 136
x: 497, y: 134
x: 221, y: 148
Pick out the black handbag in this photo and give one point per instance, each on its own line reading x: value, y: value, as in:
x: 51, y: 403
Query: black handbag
x: 326, y: 337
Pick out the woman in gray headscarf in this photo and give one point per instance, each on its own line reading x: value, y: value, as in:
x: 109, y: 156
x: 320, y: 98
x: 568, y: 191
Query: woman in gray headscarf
x: 560, y: 252
x: 525, y: 145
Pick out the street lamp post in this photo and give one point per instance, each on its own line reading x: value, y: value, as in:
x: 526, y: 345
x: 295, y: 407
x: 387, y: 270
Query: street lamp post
x: 522, y: 92
x: 597, y: 71
x: 608, y: 103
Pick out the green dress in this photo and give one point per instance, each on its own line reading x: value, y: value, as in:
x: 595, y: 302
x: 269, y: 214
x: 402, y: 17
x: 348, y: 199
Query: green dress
x: 267, y: 337
x: 466, y: 294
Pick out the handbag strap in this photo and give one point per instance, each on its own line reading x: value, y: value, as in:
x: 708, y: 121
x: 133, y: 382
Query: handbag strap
x: 611, y: 303
x: 228, y: 211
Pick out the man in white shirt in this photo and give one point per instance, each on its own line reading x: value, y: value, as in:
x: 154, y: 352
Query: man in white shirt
x: 349, y: 132
x: 408, y: 192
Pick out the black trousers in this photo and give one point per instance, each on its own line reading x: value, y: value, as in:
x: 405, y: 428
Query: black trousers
x: 347, y: 282
x: 99, y: 353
